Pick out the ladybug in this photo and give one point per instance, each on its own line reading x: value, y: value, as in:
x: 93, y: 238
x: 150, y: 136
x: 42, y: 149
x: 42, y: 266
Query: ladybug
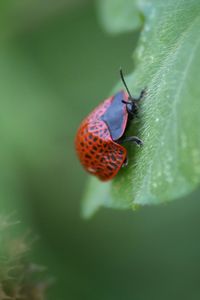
x: 100, y: 136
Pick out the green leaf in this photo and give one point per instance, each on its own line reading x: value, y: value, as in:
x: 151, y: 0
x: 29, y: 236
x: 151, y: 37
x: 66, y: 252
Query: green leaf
x: 168, y: 63
x: 117, y: 16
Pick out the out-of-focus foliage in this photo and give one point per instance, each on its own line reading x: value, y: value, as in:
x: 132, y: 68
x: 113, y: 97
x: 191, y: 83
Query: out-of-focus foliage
x: 19, y: 278
x: 52, y: 74
x: 168, y: 62
x: 22, y: 15
x: 117, y: 16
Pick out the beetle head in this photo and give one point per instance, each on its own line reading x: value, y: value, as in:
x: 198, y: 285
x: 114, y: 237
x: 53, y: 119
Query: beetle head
x: 131, y: 105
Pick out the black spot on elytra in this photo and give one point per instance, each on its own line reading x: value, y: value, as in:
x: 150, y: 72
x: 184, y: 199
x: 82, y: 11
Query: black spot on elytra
x: 113, y: 157
x: 109, y: 168
x: 113, y: 165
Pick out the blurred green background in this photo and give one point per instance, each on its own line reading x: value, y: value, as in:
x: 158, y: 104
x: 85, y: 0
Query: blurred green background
x: 56, y: 64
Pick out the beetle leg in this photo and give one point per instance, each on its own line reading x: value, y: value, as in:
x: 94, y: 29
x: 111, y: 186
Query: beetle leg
x: 142, y: 95
x: 125, y: 163
x: 134, y: 139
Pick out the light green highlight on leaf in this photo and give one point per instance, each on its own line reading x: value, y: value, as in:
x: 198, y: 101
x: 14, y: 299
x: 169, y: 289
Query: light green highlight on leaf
x: 101, y: 193
x: 117, y: 16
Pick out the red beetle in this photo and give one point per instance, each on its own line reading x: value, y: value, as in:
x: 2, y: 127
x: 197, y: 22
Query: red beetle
x: 100, y: 135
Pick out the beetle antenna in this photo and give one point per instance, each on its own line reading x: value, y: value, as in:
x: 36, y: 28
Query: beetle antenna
x: 124, y: 82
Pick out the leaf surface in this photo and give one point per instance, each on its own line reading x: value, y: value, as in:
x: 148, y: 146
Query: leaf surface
x: 167, y: 62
